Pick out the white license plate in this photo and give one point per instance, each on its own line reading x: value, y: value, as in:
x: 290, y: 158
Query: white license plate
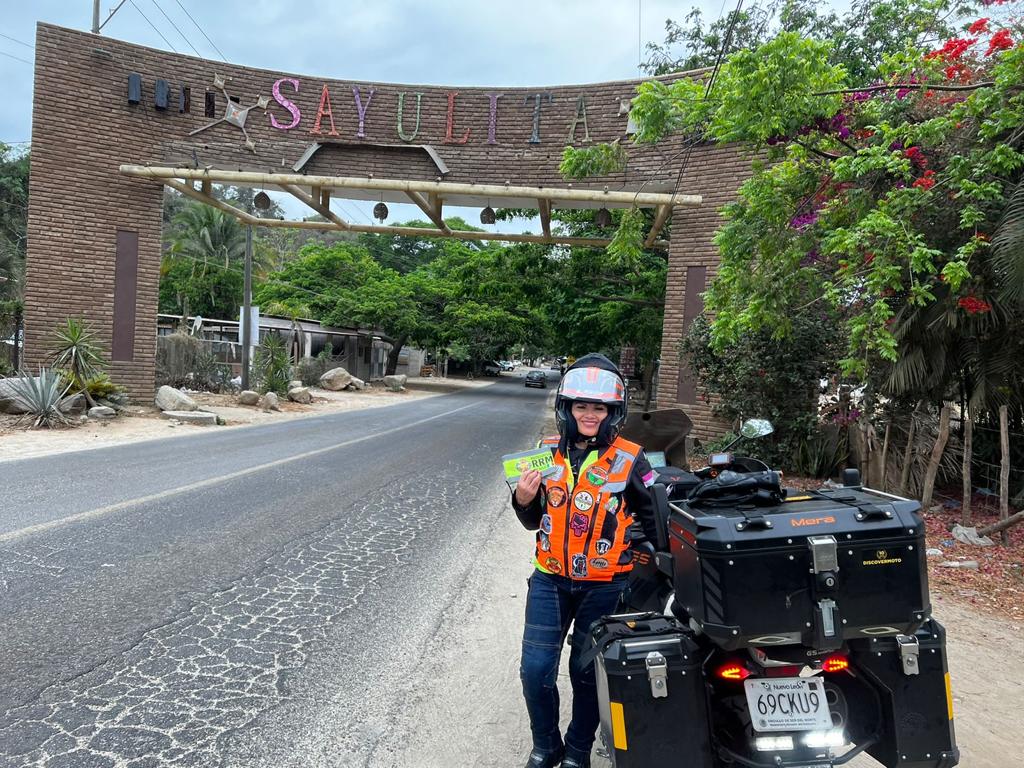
x: 787, y: 704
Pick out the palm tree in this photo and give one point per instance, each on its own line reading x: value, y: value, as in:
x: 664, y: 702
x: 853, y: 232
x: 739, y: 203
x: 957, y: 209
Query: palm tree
x: 206, y: 235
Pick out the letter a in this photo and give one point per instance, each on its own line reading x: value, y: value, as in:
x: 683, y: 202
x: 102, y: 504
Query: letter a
x: 581, y: 117
x: 324, y: 109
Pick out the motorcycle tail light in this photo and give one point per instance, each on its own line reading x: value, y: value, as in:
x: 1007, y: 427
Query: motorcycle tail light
x: 835, y: 663
x: 733, y: 671
x: 788, y: 671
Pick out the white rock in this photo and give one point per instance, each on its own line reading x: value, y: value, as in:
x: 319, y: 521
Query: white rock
x: 969, y: 564
x: 356, y: 384
x: 270, y: 402
x: 102, y: 412
x: 9, y: 401
x: 335, y: 379
x: 294, y: 384
x: 200, y: 418
x: 72, y: 403
x: 248, y: 397
x: 396, y: 383
x: 300, y: 395
x: 171, y: 399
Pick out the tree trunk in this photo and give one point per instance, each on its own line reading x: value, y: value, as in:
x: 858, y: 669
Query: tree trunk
x: 885, y: 457
x: 908, y: 454
x: 933, y: 463
x: 648, y: 383
x: 1002, y: 525
x: 965, y: 517
x: 1004, y: 471
x: 396, y: 349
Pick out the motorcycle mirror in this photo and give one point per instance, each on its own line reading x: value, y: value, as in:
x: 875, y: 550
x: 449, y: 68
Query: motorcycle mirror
x: 756, y: 428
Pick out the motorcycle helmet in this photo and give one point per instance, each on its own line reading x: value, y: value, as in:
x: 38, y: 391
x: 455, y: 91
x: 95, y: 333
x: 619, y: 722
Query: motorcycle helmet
x: 591, y: 379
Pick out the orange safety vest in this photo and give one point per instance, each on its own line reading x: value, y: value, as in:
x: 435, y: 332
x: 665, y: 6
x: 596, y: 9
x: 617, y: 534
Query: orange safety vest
x: 583, y: 531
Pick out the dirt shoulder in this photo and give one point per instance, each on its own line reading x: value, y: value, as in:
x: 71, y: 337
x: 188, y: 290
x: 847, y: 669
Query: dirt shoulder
x: 139, y: 422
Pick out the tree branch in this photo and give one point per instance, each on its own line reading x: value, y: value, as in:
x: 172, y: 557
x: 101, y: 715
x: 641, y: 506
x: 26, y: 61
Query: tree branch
x: 625, y: 300
x: 820, y: 153
x: 908, y: 86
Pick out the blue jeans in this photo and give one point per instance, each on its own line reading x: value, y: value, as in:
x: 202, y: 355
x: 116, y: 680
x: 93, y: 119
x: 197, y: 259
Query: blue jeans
x: 552, y: 604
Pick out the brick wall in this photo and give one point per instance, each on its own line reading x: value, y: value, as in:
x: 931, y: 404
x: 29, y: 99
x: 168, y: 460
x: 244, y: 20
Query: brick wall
x: 84, y: 128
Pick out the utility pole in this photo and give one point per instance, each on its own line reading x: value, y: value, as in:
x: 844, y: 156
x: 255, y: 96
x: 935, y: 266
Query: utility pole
x: 247, y: 308
x: 95, y: 17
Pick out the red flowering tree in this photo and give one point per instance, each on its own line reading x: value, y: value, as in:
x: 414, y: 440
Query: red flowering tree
x: 896, y: 203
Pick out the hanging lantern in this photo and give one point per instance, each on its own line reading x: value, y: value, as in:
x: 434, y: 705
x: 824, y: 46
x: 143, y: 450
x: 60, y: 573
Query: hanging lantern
x: 380, y: 211
x: 262, y: 201
x: 603, y: 218
x: 487, y: 215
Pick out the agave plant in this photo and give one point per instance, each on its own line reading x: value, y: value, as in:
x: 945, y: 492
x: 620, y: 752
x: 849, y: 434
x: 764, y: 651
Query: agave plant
x: 41, y: 396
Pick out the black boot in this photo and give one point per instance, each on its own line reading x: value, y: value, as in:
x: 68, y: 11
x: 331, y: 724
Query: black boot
x: 540, y: 759
x: 572, y: 761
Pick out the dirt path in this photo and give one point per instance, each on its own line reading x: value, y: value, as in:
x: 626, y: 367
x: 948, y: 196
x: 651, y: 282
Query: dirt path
x: 465, y: 706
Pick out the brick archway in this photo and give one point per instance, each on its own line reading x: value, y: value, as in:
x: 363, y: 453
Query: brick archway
x: 94, y: 233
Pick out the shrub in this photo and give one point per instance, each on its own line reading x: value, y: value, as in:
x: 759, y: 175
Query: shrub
x: 272, y: 365
x: 183, y: 360
x: 778, y: 380
x: 76, y: 352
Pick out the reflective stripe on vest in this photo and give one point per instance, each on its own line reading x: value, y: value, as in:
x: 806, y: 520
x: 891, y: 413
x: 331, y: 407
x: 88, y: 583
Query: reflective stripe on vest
x: 584, y: 527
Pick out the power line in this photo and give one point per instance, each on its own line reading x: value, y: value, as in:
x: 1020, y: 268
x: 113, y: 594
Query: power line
x: 197, y: 53
x: 136, y: 7
x: 15, y: 40
x: 17, y: 58
x: 201, y: 30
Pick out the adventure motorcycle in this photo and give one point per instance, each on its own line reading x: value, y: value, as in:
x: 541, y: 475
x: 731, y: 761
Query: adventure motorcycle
x: 775, y: 628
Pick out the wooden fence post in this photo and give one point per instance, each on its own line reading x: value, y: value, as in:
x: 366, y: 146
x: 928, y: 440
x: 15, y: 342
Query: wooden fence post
x: 885, y: 457
x: 965, y: 518
x: 933, y: 463
x: 1004, y: 471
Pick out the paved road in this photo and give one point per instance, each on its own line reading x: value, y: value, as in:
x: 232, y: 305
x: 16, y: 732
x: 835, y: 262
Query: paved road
x: 202, y: 601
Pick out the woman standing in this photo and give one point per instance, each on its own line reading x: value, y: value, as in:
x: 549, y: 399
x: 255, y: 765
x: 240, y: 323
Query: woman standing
x: 585, y: 515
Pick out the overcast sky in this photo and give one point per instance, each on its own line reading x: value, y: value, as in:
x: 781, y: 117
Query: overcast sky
x: 449, y: 42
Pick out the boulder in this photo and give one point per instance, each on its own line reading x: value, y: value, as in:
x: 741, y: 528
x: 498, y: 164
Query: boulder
x: 199, y: 418
x: 9, y: 401
x: 102, y: 412
x: 294, y: 384
x: 300, y: 395
x: 73, y: 403
x: 356, y: 384
x: 270, y: 402
x: 395, y: 383
x: 171, y: 399
x: 335, y: 379
x: 248, y: 397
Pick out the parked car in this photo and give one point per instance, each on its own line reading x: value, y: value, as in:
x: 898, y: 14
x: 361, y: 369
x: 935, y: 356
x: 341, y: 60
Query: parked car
x: 507, y: 365
x: 537, y: 379
x: 491, y: 368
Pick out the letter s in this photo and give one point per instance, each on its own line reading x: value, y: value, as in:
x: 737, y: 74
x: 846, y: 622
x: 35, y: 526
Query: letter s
x: 286, y: 103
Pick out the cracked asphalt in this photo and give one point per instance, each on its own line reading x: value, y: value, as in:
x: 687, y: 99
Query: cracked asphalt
x: 253, y: 597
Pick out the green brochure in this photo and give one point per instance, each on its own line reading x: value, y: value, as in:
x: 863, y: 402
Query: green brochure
x: 539, y: 459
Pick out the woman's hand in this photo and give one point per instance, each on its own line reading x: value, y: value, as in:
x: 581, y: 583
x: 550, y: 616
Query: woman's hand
x: 527, y: 486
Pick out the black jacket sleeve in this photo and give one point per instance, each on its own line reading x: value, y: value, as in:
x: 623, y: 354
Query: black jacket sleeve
x: 531, y: 514
x: 638, y: 497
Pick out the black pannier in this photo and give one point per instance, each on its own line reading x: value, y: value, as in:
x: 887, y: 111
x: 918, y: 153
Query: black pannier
x: 816, y: 569
x: 651, y: 692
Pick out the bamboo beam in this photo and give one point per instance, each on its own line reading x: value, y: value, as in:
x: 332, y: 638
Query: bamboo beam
x: 190, y: 191
x: 431, y: 208
x: 316, y: 204
x: 659, y: 221
x: 441, y: 188
x: 544, y: 206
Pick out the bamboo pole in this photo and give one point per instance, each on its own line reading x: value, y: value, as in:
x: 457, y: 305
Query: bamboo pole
x: 1004, y: 471
x: 965, y: 517
x: 440, y: 188
x: 933, y: 463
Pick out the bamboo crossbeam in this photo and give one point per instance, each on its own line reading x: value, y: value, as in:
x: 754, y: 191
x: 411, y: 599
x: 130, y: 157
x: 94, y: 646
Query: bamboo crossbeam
x: 659, y: 221
x: 316, y: 204
x: 190, y: 191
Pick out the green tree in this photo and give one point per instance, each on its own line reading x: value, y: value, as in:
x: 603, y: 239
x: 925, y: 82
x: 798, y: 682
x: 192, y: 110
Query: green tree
x: 14, y: 168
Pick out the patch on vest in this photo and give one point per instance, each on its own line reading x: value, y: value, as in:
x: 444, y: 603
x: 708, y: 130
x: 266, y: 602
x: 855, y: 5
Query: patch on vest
x: 612, y: 505
x: 545, y: 542
x: 556, y: 497
x: 579, y: 523
x: 597, y: 476
x: 583, y: 501
x: 602, y: 546
x: 545, y: 523
x: 553, y: 565
x: 598, y: 562
x: 579, y: 565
